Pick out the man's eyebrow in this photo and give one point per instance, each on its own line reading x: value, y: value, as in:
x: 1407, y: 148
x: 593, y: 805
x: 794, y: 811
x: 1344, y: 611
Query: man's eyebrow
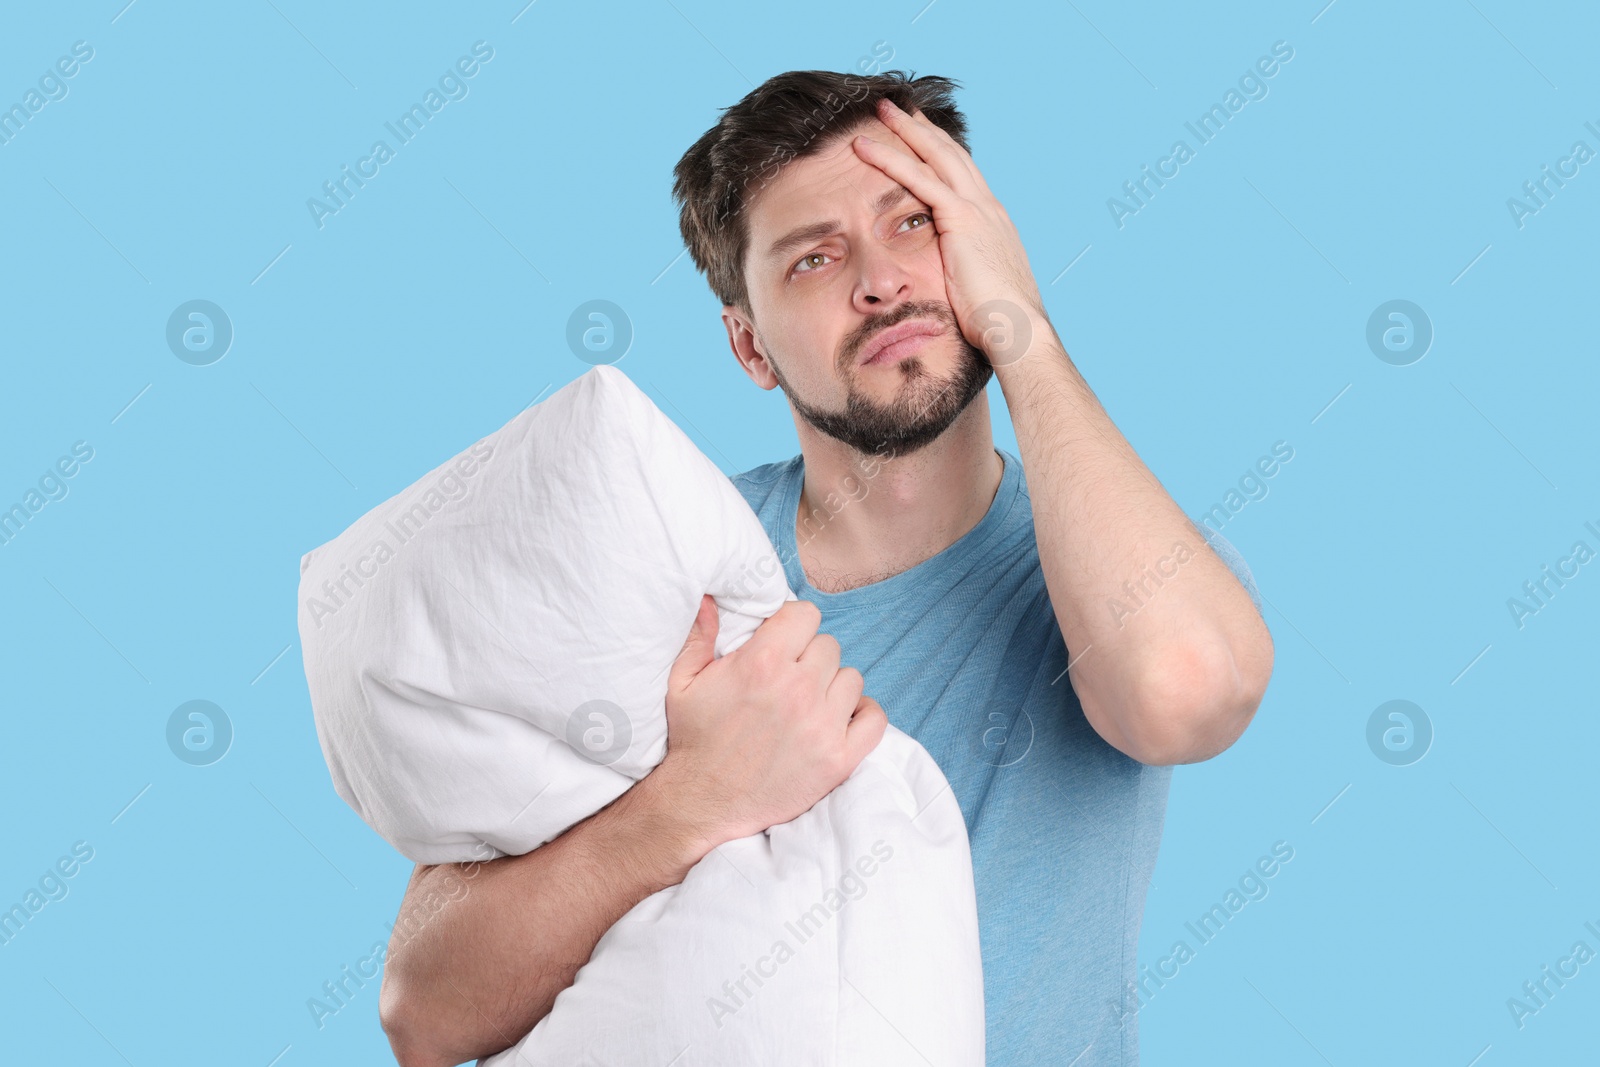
x: 814, y: 231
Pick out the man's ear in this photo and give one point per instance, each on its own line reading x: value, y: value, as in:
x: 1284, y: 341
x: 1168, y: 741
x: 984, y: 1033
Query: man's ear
x: 747, y: 348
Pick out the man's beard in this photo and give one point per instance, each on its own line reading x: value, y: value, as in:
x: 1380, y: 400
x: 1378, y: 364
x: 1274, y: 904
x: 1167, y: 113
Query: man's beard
x: 925, y: 406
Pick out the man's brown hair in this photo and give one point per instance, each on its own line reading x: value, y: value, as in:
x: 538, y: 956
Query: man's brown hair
x: 789, y: 116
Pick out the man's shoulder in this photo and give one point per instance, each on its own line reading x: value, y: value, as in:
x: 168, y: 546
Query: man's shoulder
x: 758, y: 483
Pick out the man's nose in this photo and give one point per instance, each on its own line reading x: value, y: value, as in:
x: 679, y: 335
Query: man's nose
x: 883, y: 279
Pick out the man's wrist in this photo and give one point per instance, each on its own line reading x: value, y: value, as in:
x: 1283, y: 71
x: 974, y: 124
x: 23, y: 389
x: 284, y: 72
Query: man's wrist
x: 675, y: 837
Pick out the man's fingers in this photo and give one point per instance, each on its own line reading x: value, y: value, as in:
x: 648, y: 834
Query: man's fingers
x: 789, y: 629
x: 944, y: 158
x: 920, y: 179
x: 866, y: 729
x: 822, y: 653
x: 954, y: 146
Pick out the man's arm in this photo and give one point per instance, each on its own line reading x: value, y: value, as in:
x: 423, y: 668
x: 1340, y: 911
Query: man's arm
x: 754, y: 739
x: 480, y: 951
x: 1170, y: 657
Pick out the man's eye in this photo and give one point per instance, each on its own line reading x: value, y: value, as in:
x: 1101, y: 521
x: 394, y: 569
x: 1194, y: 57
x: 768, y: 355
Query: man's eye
x: 801, y: 268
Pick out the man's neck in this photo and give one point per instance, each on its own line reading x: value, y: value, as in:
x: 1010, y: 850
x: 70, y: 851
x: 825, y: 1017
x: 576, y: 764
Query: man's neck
x: 862, y: 518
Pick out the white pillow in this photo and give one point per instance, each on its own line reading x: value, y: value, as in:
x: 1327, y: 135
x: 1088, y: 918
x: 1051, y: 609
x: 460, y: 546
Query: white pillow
x: 487, y: 657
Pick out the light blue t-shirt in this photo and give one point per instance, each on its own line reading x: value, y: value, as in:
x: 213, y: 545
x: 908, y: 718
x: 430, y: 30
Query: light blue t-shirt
x: 964, y: 653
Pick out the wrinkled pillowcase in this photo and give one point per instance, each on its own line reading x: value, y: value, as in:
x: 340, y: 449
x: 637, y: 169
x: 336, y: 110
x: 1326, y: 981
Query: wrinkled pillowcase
x: 487, y: 656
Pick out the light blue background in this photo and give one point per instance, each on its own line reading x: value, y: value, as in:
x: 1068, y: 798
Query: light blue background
x: 1223, y: 317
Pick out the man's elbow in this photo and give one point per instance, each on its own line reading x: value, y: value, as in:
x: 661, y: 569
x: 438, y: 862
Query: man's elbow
x: 1198, y: 704
x: 399, y: 1017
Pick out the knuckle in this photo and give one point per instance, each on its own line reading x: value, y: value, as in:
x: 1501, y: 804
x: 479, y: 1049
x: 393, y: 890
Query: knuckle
x: 763, y: 661
x: 807, y: 611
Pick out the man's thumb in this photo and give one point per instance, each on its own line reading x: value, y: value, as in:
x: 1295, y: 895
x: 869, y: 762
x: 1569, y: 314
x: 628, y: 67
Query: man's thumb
x: 700, y: 646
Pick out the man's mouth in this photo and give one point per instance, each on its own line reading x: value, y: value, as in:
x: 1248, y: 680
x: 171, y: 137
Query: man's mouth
x: 898, y: 342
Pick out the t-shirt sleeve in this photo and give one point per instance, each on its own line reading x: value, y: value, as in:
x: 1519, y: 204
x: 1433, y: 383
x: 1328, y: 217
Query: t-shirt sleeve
x: 1230, y: 555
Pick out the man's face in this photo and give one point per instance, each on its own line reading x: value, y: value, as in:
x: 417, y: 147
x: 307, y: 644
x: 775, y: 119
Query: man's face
x: 839, y: 253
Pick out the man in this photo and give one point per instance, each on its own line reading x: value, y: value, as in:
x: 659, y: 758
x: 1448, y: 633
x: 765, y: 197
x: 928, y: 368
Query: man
x: 1051, y: 627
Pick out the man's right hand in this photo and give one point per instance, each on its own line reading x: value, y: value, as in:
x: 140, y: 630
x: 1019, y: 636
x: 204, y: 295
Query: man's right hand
x: 754, y: 739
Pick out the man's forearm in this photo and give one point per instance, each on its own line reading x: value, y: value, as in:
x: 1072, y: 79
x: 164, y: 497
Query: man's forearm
x: 1168, y: 669
x: 470, y: 976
